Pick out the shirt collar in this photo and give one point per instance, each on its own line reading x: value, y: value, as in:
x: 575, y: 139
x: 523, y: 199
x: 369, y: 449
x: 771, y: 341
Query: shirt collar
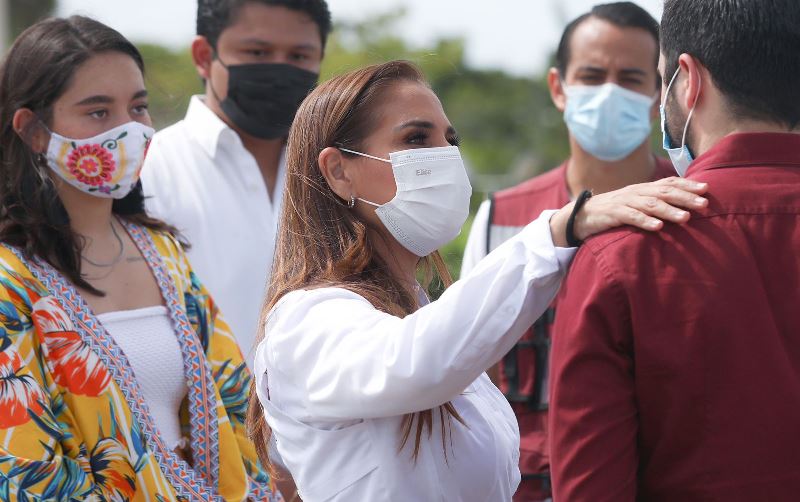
x: 205, y: 126
x: 750, y: 149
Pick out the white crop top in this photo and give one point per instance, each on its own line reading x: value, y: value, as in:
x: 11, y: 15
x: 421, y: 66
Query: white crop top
x: 147, y: 338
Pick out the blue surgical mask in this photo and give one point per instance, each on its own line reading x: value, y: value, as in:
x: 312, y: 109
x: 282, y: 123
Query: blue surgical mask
x: 680, y: 156
x: 607, y: 121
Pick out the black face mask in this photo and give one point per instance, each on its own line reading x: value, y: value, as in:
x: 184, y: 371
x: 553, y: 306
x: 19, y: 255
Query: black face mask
x: 263, y: 98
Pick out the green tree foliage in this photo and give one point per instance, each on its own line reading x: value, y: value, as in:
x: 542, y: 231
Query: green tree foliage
x: 171, y: 81
x: 24, y: 13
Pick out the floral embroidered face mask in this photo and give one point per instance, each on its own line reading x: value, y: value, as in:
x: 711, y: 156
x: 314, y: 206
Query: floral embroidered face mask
x: 106, y: 165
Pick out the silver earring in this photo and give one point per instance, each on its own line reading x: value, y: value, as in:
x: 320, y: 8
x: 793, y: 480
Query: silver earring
x: 352, y: 203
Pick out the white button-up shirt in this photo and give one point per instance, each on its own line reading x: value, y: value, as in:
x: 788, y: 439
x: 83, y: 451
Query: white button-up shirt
x: 336, y: 376
x: 199, y: 177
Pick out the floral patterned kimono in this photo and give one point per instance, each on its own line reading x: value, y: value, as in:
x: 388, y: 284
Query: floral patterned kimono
x: 73, y: 422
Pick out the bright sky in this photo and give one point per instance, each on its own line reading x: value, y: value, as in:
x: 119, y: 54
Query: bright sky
x: 514, y: 35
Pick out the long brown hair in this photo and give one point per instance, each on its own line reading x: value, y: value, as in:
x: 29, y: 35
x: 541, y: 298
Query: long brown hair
x: 35, y: 73
x: 322, y: 243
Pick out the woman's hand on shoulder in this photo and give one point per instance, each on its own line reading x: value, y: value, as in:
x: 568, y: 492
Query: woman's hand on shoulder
x: 646, y: 206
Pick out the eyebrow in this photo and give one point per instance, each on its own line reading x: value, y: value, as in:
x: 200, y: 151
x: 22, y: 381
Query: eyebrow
x: 263, y: 43
x: 101, y: 99
x: 633, y: 71
x: 626, y: 71
x: 423, y: 124
x: 592, y: 69
x: 95, y: 100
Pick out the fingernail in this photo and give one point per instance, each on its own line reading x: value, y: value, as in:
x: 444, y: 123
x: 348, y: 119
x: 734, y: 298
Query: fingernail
x: 699, y: 200
x: 678, y: 213
x: 701, y: 185
x: 653, y: 223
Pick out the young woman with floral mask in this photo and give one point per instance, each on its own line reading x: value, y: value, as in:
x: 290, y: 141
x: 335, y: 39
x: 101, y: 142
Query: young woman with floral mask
x: 119, y: 380
x: 370, y: 391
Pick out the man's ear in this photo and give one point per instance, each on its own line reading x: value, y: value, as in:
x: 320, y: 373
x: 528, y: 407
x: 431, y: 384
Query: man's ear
x: 28, y: 127
x: 556, y: 89
x: 331, y: 165
x: 202, y: 55
x: 693, y: 83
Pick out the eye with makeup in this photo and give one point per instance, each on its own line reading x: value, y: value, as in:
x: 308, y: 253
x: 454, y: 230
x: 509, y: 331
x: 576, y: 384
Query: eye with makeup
x: 420, y: 138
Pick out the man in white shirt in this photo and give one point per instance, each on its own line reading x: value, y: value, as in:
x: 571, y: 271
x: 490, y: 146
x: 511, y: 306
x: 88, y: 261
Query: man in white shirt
x: 217, y: 175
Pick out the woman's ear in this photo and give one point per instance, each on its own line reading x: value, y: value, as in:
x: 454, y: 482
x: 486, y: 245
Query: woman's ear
x: 331, y: 164
x: 28, y: 127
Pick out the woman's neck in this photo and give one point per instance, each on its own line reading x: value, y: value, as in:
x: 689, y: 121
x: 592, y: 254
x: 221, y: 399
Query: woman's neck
x: 401, y: 262
x: 89, y: 216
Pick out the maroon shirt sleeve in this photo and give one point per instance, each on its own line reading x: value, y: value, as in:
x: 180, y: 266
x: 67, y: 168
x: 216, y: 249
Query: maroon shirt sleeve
x: 593, y: 418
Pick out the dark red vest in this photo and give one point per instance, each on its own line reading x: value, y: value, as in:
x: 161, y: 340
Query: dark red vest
x: 524, y: 370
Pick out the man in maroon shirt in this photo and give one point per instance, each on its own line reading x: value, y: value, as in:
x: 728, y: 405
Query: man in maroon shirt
x: 676, y: 356
x: 606, y: 83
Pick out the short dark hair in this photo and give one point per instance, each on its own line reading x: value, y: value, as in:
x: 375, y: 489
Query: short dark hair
x: 620, y: 14
x: 213, y: 16
x: 751, y: 48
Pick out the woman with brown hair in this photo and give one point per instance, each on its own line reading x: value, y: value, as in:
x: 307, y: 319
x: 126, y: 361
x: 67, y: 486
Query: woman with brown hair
x: 118, y: 378
x: 372, y: 392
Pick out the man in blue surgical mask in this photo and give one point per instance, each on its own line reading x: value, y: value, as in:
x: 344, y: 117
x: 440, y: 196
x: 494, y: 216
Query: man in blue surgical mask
x: 606, y: 84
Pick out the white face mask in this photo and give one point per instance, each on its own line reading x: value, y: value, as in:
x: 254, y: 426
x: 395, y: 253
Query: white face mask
x: 432, y: 200
x: 106, y: 165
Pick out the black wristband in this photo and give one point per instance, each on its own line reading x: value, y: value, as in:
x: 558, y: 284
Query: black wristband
x: 572, y: 241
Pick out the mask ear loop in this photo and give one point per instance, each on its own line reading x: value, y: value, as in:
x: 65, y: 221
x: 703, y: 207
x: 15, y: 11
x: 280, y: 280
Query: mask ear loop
x: 365, y: 155
x: 352, y: 198
x: 39, y: 158
x: 691, y: 112
x: 350, y: 203
x: 211, y: 84
x: 669, y: 86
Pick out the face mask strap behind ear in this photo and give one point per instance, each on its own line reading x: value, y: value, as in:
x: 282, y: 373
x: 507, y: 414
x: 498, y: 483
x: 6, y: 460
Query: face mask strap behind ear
x: 669, y: 86
x: 691, y: 112
x: 369, y: 157
x: 40, y: 122
x: 210, y: 83
x: 365, y: 155
x: 216, y: 56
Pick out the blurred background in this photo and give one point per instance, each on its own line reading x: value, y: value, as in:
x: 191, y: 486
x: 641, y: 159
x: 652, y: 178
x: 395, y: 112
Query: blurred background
x: 487, y: 61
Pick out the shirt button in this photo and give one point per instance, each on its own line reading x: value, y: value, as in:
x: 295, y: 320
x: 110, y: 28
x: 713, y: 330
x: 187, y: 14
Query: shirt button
x: 509, y: 311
